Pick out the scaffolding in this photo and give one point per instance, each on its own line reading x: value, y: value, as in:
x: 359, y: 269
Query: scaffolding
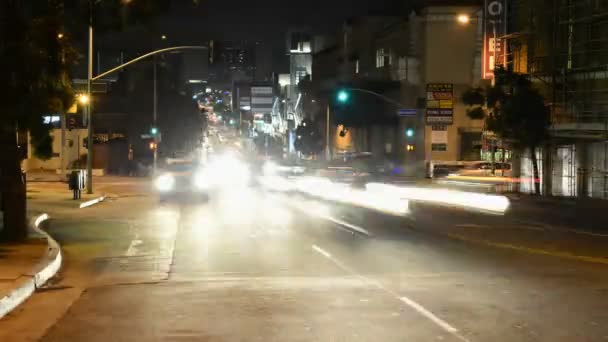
x: 563, y: 45
x: 582, y: 47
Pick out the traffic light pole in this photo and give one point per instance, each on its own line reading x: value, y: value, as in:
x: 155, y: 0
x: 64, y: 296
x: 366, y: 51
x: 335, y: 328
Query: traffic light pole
x: 327, y: 149
x: 91, y: 78
x: 154, y: 117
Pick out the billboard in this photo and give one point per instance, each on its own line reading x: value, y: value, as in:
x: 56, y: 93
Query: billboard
x: 262, y: 99
x: 494, y: 28
x: 439, y: 103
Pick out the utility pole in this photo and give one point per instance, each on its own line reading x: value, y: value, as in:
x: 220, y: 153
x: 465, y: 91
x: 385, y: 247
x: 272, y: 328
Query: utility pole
x: 154, y: 118
x: 63, y: 158
x: 89, y: 112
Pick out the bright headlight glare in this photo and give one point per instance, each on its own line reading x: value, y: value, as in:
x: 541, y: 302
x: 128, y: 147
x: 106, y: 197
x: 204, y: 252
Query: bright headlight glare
x: 270, y: 168
x: 201, y: 180
x: 164, y: 183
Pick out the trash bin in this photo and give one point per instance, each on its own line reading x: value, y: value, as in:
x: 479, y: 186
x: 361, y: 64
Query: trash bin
x: 77, y: 182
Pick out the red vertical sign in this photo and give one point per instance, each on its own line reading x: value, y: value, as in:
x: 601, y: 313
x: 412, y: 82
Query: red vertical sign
x: 494, y: 28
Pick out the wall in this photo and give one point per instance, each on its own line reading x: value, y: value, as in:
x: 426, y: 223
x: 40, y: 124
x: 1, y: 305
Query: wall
x: 74, y: 148
x: 450, y: 54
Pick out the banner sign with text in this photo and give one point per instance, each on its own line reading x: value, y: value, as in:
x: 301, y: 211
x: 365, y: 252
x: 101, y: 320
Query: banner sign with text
x: 494, y: 27
x: 439, y: 103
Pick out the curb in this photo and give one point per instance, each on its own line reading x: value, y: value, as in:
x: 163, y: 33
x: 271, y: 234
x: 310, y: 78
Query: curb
x: 92, y: 202
x: 41, y: 273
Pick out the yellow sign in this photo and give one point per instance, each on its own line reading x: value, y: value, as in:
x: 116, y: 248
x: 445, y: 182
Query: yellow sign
x: 73, y: 109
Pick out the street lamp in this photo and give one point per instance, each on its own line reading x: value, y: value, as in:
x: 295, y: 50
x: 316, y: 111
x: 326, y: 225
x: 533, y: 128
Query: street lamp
x: 84, y: 99
x: 463, y: 19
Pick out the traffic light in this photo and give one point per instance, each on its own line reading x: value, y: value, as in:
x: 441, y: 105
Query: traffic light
x: 409, y: 132
x: 153, y: 131
x: 343, y: 96
x: 153, y: 145
x: 409, y: 147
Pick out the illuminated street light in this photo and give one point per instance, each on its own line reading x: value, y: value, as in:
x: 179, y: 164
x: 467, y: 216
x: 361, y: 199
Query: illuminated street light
x: 163, y: 37
x: 463, y: 19
x: 83, y: 99
x: 59, y: 35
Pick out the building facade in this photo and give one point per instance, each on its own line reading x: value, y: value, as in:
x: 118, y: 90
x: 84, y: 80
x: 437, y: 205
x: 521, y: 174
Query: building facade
x: 420, y: 64
x: 563, y: 46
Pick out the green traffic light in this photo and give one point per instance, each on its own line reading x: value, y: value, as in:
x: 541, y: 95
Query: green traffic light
x: 343, y: 96
x: 409, y: 132
x: 153, y: 130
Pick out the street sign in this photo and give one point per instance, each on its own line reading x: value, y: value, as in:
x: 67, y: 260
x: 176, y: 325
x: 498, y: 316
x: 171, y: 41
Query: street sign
x: 158, y: 137
x: 407, y: 112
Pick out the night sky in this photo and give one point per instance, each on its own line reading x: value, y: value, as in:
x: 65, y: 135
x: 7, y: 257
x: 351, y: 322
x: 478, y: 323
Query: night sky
x: 266, y: 21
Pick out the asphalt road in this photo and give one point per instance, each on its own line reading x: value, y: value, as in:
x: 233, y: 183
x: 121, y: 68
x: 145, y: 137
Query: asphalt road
x: 250, y: 266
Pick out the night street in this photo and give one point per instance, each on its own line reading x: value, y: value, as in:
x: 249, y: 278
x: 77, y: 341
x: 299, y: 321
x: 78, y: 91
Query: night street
x: 253, y: 269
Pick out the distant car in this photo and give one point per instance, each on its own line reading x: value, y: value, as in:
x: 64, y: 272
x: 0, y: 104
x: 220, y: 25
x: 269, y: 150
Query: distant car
x: 181, y: 178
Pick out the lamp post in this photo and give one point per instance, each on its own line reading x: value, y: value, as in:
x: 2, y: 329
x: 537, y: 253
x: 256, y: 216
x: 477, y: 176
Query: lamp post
x: 89, y: 110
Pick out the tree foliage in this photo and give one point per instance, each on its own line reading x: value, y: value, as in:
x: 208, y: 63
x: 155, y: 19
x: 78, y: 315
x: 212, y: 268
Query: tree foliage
x: 309, y: 140
x: 36, y: 56
x: 514, y: 110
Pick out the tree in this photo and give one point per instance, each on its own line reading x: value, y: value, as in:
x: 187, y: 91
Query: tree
x: 34, y: 80
x: 309, y: 140
x: 514, y: 110
x: 36, y: 56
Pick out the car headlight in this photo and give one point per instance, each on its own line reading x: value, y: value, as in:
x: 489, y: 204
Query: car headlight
x: 270, y: 168
x: 165, y: 183
x: 201, y: 180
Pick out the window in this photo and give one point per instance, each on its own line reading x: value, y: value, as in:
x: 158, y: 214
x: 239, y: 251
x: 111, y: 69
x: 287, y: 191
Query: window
x: 380, y: 58
x: 439, y: 147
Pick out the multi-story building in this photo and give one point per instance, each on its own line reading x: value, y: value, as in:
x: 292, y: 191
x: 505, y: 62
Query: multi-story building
x: 563, y: 45
x: 231, y: 62
x: 418, y: 66
x: 299, y: 50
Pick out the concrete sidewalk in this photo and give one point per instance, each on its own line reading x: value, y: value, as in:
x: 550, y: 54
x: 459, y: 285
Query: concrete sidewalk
x: 17, y: 261
x: 26, y: 267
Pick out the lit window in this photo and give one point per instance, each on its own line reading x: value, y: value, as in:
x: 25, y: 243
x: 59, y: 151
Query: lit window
x: 380, y: 58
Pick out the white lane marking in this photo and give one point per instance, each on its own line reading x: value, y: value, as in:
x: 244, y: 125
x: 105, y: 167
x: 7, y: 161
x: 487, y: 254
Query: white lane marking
x: 426, y: 313
x: 348, y: 225
x: 407, y: 301
x: 92, y: 202
x: 321, y: 251
x: 335, y: 220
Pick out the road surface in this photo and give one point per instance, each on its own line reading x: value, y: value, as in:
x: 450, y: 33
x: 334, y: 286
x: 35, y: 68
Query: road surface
x: 252, y: 266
